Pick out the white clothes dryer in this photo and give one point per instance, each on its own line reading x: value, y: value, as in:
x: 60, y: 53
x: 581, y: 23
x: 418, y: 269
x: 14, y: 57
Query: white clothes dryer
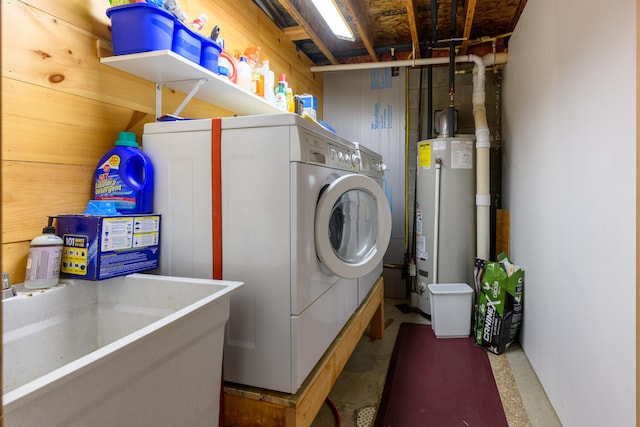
x: 290, y: 226
x: 371, y: 165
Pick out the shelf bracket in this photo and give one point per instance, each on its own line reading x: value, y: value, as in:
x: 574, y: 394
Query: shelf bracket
x: 158, y: 100
x: 189, y: 97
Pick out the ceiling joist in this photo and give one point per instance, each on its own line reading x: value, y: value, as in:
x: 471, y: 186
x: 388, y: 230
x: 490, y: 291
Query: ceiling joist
x: 302, y: 22
x: 361, y: 22
x: 413, y: 27
x: 296, y: 33
x: 383, y: 27
x: 469, y: 12
x: 516, y: 16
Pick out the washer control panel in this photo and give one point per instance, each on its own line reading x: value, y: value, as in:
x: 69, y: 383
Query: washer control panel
x: 317, y: 149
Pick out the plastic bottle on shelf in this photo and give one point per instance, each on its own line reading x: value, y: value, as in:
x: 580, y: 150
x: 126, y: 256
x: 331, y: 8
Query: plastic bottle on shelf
x: 253, y: 54
x: 255, y: 78
x: 291, y: 105
x: 268, y: 83
x: 244, y: 73
x: 43, y: 263
x: 281, y: 92
x: 199, y: 22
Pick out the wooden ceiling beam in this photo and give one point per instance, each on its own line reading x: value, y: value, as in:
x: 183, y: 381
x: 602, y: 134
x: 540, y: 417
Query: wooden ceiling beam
x: 412, y: 16
x: 296, y: 33
x: 361, y: 21
x: 470, y: 11
x: 516, y: 16
x: 302, y: 22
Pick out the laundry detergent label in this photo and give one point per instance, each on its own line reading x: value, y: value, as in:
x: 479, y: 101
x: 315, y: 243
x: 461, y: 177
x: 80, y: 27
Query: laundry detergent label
x: 110, y: 186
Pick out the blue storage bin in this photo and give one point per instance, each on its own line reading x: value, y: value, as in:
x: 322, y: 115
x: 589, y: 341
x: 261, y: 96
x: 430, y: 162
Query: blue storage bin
x: 209, y: 55
x: 140, y: 27
x: 186, y: 43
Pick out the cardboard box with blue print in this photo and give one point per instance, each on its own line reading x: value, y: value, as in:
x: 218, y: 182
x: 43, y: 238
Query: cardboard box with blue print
x: 309, y: 105
x: 101, y: 247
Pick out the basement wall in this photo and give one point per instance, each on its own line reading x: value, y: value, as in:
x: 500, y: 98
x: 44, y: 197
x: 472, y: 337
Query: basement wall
x: 570, y: 184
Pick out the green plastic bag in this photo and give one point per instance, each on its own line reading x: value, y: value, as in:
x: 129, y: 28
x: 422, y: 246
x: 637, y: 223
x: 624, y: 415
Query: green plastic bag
x: 499, y: 305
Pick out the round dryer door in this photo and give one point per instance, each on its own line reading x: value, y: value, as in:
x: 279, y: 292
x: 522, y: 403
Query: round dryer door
x: 353, y: 226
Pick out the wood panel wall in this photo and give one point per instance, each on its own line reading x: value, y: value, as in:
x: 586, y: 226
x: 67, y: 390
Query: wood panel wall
x: 62, y: 109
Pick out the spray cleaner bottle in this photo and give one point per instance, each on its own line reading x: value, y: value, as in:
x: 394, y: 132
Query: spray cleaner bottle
x: 43, y: 263
x: 124, y: 176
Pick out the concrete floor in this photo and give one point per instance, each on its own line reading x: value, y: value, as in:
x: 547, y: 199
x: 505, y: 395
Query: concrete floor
x: 359, y: 387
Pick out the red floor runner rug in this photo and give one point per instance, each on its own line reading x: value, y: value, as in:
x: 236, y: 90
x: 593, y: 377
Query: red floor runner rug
x: 441, y: 382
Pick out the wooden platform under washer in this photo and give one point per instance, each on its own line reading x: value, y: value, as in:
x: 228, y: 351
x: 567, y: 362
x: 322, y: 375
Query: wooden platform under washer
x: 251, y: 406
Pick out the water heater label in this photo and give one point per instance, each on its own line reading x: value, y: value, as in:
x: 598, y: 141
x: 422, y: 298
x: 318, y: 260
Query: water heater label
x: 461, y: 154
x: 440, y: 145
x: 421, y: 242
x: 421, y: 248
x: 424, y: 155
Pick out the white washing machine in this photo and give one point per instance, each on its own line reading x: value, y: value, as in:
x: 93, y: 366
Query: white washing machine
x: 370, y: 164
x: 286, y: 220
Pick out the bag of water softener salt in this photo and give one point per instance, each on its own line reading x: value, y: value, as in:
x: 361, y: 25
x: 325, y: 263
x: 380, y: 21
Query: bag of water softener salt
x: 499, y: 305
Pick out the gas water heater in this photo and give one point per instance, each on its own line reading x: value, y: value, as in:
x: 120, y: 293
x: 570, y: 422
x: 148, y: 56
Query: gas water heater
x: 445, y: 214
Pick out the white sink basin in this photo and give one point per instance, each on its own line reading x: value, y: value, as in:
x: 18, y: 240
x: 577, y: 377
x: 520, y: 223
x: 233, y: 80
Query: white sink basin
x: 134, y: 350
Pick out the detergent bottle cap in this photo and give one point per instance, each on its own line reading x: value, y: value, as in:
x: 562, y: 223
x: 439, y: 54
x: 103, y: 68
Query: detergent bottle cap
x: 127, y: 139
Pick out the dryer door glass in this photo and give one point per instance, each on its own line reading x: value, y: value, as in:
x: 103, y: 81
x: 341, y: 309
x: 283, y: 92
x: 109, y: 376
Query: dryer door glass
x: 352, y: 226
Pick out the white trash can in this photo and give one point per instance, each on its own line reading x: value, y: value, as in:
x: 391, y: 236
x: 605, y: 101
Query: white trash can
x: 451, y: 305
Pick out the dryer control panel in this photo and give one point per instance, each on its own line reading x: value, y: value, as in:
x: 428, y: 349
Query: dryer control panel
x: 371, y: 164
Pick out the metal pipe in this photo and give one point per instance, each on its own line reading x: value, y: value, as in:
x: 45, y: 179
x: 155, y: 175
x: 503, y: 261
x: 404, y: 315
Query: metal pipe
x: 429, y: 101
x: 412, y: 254
x: 434, y: 38
x: 452, y: 69
x: 436, y: 220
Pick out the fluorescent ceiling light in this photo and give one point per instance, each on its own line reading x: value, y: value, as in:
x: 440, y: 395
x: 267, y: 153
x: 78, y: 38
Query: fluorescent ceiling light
x: 334, y: 19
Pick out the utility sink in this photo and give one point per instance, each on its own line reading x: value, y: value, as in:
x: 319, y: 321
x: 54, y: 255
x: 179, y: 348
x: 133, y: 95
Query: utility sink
x: 134, y: 350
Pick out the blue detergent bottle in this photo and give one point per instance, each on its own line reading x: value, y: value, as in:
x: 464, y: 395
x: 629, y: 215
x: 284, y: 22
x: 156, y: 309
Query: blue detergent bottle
x: 124, y: 176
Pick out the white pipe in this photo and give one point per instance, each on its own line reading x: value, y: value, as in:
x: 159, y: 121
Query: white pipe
x: 483, y: 196
x: 490, y: 59
x: 436, y: 221
x: 483, y: 144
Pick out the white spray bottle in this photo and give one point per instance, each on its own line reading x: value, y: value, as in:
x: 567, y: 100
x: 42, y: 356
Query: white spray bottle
x: 43, y: 263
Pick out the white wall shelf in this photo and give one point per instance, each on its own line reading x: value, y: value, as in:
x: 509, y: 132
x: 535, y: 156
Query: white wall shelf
x: 167, y: 68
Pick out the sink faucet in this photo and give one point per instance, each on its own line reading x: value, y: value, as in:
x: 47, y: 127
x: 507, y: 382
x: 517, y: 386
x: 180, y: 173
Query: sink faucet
x: 8, y: 290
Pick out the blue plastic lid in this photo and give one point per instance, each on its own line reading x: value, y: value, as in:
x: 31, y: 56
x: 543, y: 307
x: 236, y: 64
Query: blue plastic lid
x: 101, y: 208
